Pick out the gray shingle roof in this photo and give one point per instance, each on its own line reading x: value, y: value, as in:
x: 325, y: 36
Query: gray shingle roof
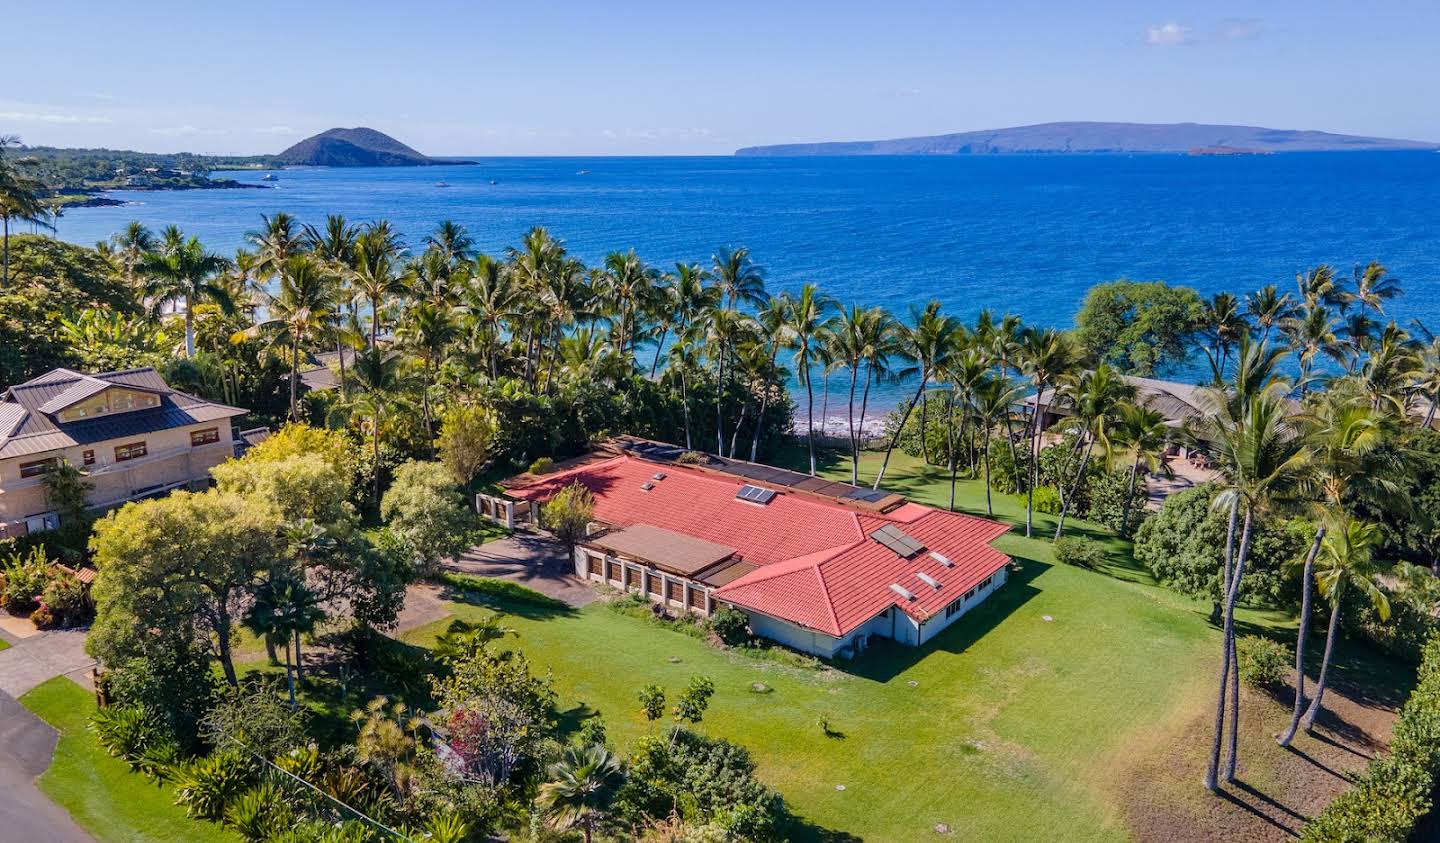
x: 27, y: 411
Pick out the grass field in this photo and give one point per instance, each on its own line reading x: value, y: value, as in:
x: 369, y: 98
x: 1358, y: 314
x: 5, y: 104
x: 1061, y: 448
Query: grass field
x: 99, y: 791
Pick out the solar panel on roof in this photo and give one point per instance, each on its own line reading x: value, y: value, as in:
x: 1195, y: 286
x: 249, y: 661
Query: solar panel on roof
x: 754, y: 494
x: 898, y: 541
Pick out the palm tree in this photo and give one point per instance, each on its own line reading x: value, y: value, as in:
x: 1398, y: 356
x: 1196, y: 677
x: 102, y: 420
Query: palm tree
x: 965, y: 372
x: 723, y: 328
x: 1374, y: 286
x: 130, y: 245
x: 278, y: 240
x: 376, y: 275
x: 1345, y: 562
x: 1311, y: 334
x: 335, y: 249
x: 1350, y: 465
x: 19, y: 201
x: 683, y: 360
x: 804, y: 317
x: 1426, y: 379
x: 1269, y: 308
x: 488, y: 298
x: 378, y: 383
x: 582, y: 785
x: 1319, y: 287
x: 1044, y: 355
x: 427, y: 331
x: 627, y: 285
x: 1145, y: 435
x: 284, y: 608
x: 739, y: 279
x: 301, y: 313
x: 1095, y: 398
x: 928, y: 344
x: 1265, y: 462
x: 185, y: 272
x: 771, y: 334
x: 1389, y: 372
x: 1224, y: 323
x: 452, y: 241
x: 994, y: 398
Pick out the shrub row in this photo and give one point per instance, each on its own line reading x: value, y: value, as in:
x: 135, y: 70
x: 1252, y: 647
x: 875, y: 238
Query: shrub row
x: 1394, y: 792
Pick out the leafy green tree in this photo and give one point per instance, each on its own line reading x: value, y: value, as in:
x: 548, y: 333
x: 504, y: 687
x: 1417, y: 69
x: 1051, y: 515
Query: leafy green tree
x: 423, y: 510
x: 189, y: 558
x: 66, y: 490
x: 467, y: 439
x: 282, y: 607
x: 581, y: 788
x: 694, y: 700
x: 301, y: 486
x: 300, y: 316
x: 1140, y: 327
x: 19, y: 201
x: 568, y: 514
x: 652, y: 702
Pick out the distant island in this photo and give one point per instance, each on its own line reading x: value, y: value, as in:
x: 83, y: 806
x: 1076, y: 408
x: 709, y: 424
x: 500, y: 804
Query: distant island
x: 1100, y: 138
x: 357, y: 147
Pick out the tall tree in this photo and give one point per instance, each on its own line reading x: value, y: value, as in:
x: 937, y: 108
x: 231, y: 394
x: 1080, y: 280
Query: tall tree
x: 1144, y: 436
x: 1043, y: 355
x: 19, y: 201
x: 805, y: 316
x: 377, y: 273
x: 927, y: 344
x: 1095, y: 398
x: 1269, y: 309
x: 185, y: 272
x: 299, y: 316
x: 582, y: 785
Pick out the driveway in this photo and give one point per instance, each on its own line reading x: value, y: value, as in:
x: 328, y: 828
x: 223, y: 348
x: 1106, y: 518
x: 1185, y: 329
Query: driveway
x: 26, y: 745
x: 31, y: 661
x: 532, y: 560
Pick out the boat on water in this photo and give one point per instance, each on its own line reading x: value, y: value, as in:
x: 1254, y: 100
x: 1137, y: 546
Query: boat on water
x: 492, y: 181
x: 582, y: 172
x: 442, y: 184
x: 269, y: 177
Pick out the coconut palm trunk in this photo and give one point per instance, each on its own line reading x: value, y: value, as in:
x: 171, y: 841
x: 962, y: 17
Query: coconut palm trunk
x: 809, y: 409
x: 189, y: 327
x: 1074, y: 488
x: 854, y: 443
x: 1308, y: 721
x: 1305, y: 588
x: 1231, y: 592
x: 1130, y: 495
x: 889, y: 449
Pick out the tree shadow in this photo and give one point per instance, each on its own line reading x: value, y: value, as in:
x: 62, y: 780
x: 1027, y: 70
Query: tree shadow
x: 1268, y: 800
x: 802, y: 830
x: 569, y: 721
x: 1257, y: 813
x: 494, y: 598
x: 1315, y: 762
x: 886, y: 659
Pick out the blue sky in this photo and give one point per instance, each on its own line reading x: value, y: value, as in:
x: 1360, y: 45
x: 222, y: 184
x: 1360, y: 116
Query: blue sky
x: 699, y: 78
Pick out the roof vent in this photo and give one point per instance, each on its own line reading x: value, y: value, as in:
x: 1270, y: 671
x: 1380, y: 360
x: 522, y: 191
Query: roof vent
x: 646, y: 486
x: 754, y: 494
x: 902, y: 591
x: 941, y: 559
x: 927, y: 579
x: 659, y: 475
x: 903, y: 544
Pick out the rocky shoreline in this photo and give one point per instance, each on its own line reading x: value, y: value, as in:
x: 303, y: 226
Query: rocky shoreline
x: 100, y: 198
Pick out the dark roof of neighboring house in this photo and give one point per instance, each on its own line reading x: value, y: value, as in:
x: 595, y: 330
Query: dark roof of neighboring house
x: 324, y: 372
x: 663, y: 548
x: 29, y: 424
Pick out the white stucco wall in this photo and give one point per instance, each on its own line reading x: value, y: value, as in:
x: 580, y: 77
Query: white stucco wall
x: 935, y: 625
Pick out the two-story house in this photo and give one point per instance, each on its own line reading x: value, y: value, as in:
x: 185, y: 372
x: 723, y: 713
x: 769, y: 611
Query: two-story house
x: 128, y: 431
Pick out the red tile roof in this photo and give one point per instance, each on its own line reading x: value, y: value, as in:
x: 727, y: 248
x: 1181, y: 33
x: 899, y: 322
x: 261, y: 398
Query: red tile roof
x: 817, y: 565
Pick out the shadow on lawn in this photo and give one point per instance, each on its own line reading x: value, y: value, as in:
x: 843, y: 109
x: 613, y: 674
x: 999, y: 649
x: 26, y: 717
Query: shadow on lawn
x: 884, y: 660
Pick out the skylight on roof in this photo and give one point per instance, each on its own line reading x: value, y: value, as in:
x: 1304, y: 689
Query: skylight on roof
x: 754, y: 494
x: 646, y: 486
x: 941, y: 559
x: 902, y: 591
x: 659, y: 475
x: 927, y: 579
x: 898, y: 541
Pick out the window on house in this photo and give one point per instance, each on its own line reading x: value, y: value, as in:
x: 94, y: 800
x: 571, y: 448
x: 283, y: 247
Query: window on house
x: 134, y: 450
x: 954, y: 607
x: 88, y: 457
x: 969, y: 594
x: 204, y: 437
x: 988, y: 580
x: 37, y: 468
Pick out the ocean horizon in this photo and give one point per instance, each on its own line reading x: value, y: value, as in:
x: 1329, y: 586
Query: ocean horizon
x: 1022, y: 234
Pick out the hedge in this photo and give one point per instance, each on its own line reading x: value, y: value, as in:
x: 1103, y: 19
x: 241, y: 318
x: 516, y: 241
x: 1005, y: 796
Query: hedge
x: 1393, y: 793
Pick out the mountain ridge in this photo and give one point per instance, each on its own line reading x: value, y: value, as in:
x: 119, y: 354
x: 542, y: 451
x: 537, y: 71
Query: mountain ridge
x: 357, y: 147
x: 1089, y: 137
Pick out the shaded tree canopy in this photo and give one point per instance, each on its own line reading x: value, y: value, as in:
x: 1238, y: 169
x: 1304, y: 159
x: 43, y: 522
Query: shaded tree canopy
x: 1140, y: 327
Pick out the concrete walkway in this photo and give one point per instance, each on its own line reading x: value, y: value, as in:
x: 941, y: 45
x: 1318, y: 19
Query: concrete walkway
x: 31, y: 661
x: 532, y: 560
x: 26, y: 746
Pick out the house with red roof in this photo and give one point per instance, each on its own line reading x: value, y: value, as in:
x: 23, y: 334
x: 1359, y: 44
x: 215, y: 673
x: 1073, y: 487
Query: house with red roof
x: 819, y: 566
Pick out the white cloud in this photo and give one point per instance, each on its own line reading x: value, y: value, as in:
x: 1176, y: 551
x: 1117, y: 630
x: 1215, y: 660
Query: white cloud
x: 1168, y: 35
x: 50, y: 117
x: 275, y: 130
x: 100, y: 95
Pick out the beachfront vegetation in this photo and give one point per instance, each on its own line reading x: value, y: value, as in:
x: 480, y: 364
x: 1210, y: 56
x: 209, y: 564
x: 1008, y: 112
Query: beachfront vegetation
x: 453, y: 368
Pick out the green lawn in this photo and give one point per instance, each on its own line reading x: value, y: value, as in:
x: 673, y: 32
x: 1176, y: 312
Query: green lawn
x: 99, y: 791
x: 4, y: 645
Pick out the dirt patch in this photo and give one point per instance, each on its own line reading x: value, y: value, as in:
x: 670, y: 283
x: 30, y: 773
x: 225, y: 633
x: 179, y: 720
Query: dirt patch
x: 1158, y: 791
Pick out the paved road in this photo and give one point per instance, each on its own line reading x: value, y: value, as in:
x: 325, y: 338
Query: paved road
x: 26, y: 746
x: 531, y: 560
x: 31, y: 661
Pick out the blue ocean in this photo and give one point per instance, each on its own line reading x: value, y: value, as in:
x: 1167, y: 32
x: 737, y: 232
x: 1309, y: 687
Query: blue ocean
x: 1023, y: 234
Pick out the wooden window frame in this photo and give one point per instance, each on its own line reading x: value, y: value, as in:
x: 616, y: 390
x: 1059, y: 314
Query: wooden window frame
x: 123, y: 452
x: 88, y: 456
x: 207, y: 436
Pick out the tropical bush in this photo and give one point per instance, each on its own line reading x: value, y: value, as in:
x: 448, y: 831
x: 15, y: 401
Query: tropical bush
x: 542, y: 465
x: 1264, y: 662
x: 425, y: 511
x: 702, y: 779
x: 1394, y: 792
x: 1080, y: 552
x: 25, y: 577
x: 66, y: 600
x: 730, y: 625
x: 1047, y: 499
x: 125, y: 731
x: 260, y: 813
x: 206, y: 786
